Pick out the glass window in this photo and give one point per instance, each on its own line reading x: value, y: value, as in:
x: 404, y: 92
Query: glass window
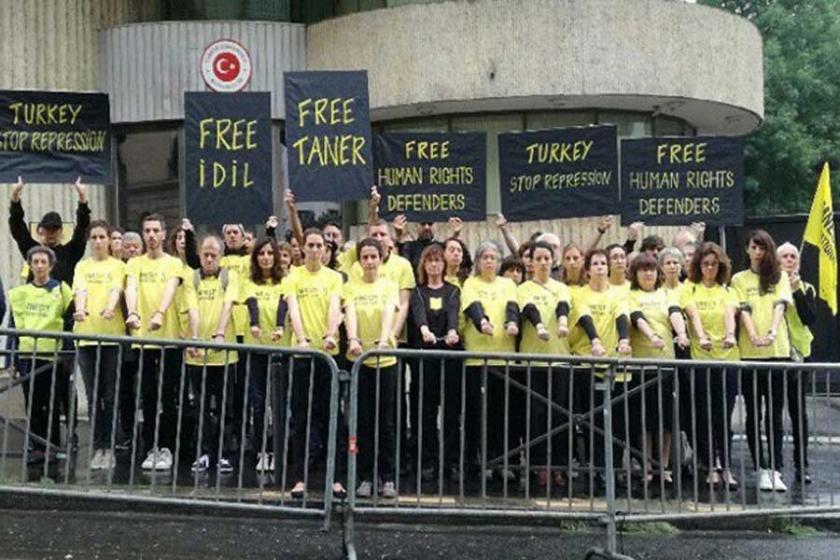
x: 148, y: 174
x: 630, y: 125
x: 540, y: 120
x: 420, y: 125
x: 669, y: 126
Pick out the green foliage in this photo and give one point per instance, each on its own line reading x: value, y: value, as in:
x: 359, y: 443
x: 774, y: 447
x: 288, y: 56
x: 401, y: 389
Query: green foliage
x: 801, y: 89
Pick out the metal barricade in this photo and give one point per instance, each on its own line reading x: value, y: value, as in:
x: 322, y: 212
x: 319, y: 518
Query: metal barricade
x: 238, y: 427
x: 536, y: 437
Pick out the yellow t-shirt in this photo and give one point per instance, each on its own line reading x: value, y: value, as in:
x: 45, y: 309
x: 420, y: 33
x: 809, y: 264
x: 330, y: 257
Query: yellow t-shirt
x: 545, y: 298
x: 746, y: 284
x: 37, y: 308
x: 268, y: 297
x: 396, y: 269
x: 313, y: 292
x: 152, y: 276
x: 98, y: 279
x: 655, y: 307
x: 604, y: 308
x: 241, y: 265
x: 711, y: 304
x: 209, y: 299
x: 575, y: 332
x: 801, y: 336
x: 187, y: 276
x: 345, y: 259
x: 494, y: 297
x: 369, y: 300
x: 622, y: 289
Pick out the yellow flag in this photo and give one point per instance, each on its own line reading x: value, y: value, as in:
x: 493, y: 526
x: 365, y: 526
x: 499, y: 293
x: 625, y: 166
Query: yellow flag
x: 819, y: 232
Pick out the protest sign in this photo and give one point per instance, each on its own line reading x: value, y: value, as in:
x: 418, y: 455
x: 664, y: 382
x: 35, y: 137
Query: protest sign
x: 432, y: 176
x: 674, y: 181
x: 54, y: 137
x: 228, y: 175
x: 561, y: 173
x: 328, y: 135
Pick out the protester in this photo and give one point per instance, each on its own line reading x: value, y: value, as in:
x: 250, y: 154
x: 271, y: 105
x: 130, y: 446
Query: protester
x: 42, y: 304
x: 97, y: 287
x: 711, y: 307
x: 152, y: 281
x: 210, y: 295
x: 764, y: 294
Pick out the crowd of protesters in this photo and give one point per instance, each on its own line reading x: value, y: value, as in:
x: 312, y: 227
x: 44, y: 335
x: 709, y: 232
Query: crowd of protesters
x: 315, y: 291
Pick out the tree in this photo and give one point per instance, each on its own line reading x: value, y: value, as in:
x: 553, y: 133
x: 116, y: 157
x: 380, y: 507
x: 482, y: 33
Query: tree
x: 801, y: 91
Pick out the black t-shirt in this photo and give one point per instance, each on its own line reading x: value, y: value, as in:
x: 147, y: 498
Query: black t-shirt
x: 435, y: 308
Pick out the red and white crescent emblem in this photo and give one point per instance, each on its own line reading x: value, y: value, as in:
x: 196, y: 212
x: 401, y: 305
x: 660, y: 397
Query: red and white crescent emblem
x: 226, y: 66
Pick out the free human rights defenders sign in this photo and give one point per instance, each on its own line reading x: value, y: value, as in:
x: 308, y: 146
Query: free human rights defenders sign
x: 675, y: 181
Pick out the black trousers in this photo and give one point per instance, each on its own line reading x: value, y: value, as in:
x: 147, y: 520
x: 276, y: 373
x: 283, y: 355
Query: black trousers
x: 767, y: 385
x: 377, y: 436
x: 549, y: 389
x: 310, y: 417
x: 209, y: 391
x: 100, y: 374
x: 715, y: 390
x: 42, y: 399
x: 625, y: 413
x: 160, y: 371
x: 798, y: 386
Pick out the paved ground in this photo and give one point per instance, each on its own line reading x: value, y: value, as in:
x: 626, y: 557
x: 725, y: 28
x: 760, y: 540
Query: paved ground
x: 63, y: 536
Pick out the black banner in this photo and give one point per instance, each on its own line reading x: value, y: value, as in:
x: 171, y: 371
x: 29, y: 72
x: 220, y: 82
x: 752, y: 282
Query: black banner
x: 562, y: 173
x: 54, y: 137
x: 228, y: 157
x: 432, y: 176
x: 675, y: 181
x: 328, y: 135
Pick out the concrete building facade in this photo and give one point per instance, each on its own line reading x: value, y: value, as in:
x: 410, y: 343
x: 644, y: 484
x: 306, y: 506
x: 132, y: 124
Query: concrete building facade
x: 651, y: 67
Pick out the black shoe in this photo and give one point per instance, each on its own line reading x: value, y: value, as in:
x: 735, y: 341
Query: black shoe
x: 35, y: 457
x: 803, y: 476
x: 339, y: 493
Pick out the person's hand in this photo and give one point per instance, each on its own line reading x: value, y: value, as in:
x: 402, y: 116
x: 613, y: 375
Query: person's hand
x: 657, y: 342
x: 456, y: 224
x: 682, y: 341
x: 157, y: 321
x: 451, y: 338
x: 428, y: 336
x: 107, y: 314
x: 375, y: 197
x: 256, y: 331
x: 605, y: 223
x: 501, y: 221
x: 81, y: 190
x: 758, y: 341
x: 355, y: 347
x: 17, y: 188
x: 511, y: 329
x: 186, y: 225
x: 277, y: 334
x: 289, y: 199
x: 303, y: 343
x: 486, y: 327
x: 79, y: 316
x: 542, y: 332
x: 383, y: 345
x: 624, y: 347
x: 728, y: 342
x: 562, y: 330
x: 399, y: 225
x: 706, y: 342
x: 795, y: 280
x: 193, y: 352
x: 598, y: 349
x: 273, y: 222
x: 330, y: 342
x: 133, y: 321
x: 699, y: 229
x: 634, y: 231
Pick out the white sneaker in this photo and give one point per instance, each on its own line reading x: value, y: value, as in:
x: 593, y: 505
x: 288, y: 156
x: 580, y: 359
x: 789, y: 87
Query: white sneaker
x: 164, y: 460
x: 224, y: 466
x: 96, y: 461
x: 202, y: 464
x: 265, y: 462
x: 108, y: 460
x: 765, y: 480
x: 778, y: 483
x: 150, y: 461
x: 365, y: 489
x: 389, y: 490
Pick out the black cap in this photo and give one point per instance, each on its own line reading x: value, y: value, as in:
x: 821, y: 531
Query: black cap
x: 51, y: 220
